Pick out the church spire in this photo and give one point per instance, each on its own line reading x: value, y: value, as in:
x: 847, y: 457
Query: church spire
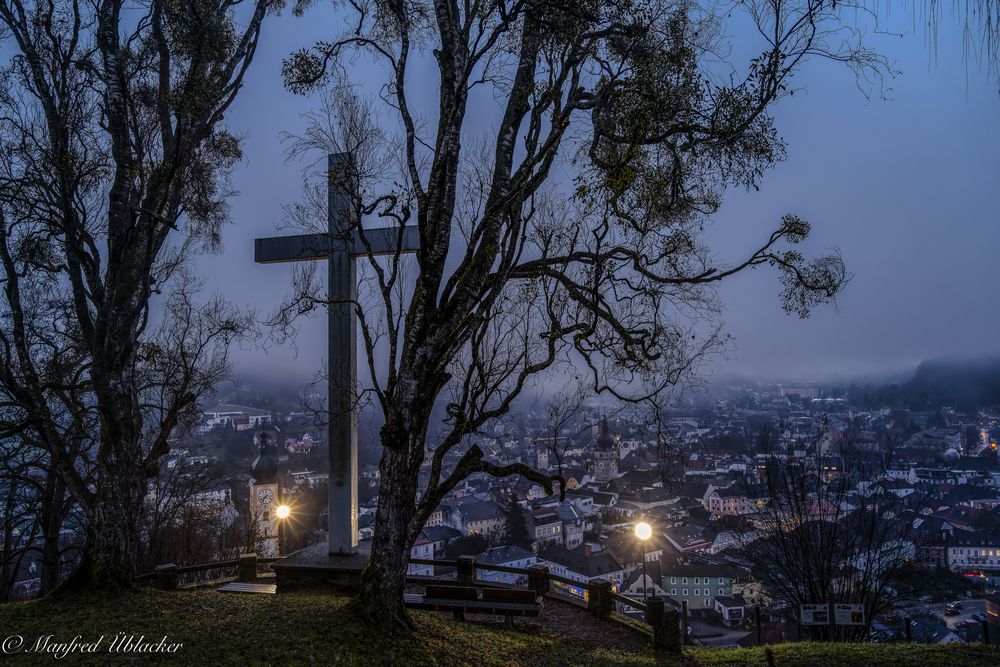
x: 605, y: 440
x: 265, y: 468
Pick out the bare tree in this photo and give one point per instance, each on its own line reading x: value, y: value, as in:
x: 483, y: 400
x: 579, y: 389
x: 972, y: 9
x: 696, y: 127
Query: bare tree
x: 185, y: 515
x: 115, y: 160
x: 563, y: 410
x: 820, y: 538
x: 570, y: 233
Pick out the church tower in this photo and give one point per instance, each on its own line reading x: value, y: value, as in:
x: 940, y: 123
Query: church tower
x: 264, y: 498
x: 605, y: 455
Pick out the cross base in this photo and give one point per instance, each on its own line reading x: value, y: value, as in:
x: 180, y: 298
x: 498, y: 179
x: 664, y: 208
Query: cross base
x: 314, y: 569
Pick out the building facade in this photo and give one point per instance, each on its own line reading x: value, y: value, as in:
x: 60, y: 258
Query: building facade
x: 264, y: 499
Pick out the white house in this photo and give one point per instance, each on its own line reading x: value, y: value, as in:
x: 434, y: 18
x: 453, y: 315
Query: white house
x: 505, y: 557
x: 232, y: 414
x: 422, y: 549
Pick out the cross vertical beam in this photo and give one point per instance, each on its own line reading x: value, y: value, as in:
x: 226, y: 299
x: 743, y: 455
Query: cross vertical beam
x: 342, y: 360
x: 339, y: 245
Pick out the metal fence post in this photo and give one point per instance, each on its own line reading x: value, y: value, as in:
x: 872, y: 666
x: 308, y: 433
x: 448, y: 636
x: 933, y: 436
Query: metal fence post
x: 756, y: 619
x: 909, y: 629
x: 986, y: 632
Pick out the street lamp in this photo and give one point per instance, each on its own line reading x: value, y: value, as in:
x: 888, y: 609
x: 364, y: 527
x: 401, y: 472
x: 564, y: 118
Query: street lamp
x: 282, y: 512
x: 643, y: 531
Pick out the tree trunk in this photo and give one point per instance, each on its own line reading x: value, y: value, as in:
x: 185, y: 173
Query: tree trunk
x: 8, y: 566
x: 385, y: 576
x: 111, y: 554
x: 52, y: 522
x: 116, y: 513
x: 116, y: 520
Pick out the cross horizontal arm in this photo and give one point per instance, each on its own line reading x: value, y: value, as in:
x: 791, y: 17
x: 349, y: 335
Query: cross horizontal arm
x: 305, y: 247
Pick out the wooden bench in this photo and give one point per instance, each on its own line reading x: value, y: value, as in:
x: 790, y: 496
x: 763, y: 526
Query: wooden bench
x: 504, y: 602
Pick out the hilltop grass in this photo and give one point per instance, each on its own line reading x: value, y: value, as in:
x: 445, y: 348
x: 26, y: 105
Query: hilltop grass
x: 222, y: 629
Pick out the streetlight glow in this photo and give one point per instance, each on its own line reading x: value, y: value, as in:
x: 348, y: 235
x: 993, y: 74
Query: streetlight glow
x: 283, y: 511
x: 643, y: 530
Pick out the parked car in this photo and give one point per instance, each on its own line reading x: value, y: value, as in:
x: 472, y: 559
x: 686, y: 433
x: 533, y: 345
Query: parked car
x: 951, y: 611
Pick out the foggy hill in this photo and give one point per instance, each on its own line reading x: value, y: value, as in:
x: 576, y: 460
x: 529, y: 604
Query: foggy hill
x: 965, y: 384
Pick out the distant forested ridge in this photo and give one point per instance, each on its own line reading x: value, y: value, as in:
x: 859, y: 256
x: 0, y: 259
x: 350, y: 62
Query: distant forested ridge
x: 963, y: 384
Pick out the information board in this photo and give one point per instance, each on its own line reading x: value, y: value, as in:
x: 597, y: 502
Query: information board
x: 814, y: 614
x: 849, y: 614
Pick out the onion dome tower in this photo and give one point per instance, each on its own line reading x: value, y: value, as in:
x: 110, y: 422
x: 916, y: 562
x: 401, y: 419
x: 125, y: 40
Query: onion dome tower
x: 264, y: 497
x: 605, y: 455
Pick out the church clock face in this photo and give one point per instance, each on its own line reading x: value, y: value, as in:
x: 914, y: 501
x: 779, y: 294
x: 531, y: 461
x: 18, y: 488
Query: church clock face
x: 265, y: 496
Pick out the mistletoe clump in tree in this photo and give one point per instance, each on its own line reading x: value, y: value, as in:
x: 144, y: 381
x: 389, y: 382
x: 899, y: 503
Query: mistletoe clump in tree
x: 569, y: 232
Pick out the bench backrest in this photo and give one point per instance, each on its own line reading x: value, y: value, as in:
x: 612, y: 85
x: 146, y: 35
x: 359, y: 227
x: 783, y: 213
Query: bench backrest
x: 508, y: 595
x: 451, y: 592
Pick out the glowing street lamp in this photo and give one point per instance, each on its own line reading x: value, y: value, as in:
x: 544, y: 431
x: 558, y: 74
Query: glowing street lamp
x: 643, y: 531
x: 282, y: 512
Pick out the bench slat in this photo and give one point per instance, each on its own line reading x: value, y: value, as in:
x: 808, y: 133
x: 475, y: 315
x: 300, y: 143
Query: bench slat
x: 506, y: 595
x: 462, y: 599
x: 452, y: 592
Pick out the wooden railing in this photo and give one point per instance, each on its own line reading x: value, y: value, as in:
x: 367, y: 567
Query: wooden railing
x: 167, y: 576
x: 626, y: 601
x: 600, y: 599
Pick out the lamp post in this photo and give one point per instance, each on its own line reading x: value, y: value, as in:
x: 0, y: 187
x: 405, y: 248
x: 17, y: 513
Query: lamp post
x: 643, y: 531
x: 282, y: 512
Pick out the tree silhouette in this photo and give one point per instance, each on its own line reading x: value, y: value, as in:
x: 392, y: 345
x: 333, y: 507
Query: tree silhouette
x: 572, y: 235
x: 517, y: 526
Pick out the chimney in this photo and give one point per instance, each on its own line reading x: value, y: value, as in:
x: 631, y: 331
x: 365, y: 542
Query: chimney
x: 588, y: 550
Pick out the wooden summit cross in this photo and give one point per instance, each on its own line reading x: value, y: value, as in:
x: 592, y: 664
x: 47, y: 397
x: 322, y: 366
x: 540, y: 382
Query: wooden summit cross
x: 344, y: 241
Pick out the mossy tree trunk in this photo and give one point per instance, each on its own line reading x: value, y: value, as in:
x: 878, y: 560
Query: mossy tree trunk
x: 396, y: 527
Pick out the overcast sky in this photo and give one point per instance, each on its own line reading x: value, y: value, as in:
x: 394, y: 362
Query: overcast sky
x: 906, y: 188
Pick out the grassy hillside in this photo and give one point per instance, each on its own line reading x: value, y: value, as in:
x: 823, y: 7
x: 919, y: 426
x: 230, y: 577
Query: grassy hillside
x: 219, y: 629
